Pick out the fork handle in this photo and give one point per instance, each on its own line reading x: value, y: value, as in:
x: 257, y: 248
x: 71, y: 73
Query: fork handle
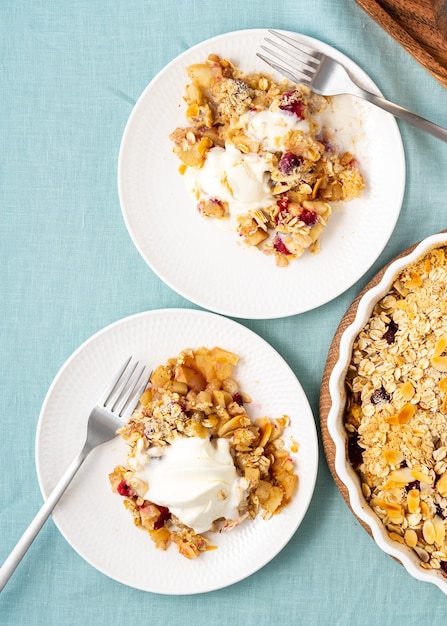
x: 405, y: 114
x: 33, y: 529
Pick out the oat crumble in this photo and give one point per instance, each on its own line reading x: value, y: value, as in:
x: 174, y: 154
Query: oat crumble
x: 195, y: 395
x: 302, y: 173
x: 396, y: 416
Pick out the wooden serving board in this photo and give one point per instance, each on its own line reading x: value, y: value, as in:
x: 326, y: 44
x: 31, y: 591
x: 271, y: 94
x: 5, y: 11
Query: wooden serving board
x: 413, y: 25
x: 325, y: 398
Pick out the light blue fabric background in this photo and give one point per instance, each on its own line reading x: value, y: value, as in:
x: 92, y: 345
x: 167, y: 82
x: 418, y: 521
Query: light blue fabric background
x: 71, y: 72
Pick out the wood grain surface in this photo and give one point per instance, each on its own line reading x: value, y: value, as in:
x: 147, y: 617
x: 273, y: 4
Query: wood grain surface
x: 412, y: 23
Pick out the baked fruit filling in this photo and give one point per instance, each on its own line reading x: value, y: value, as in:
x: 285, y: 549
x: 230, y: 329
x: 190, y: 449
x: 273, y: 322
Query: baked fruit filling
x: 396, y: 416
x: 197, y: 462
x: 257, y: 153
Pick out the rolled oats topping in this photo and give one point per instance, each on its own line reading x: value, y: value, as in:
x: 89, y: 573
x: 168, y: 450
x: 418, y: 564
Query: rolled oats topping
x: 196, y: 452
x: 256, y: 153
x: 396, y: 415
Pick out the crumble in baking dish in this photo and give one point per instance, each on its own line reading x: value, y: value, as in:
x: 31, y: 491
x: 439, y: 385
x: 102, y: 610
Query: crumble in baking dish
x: 396, y: 417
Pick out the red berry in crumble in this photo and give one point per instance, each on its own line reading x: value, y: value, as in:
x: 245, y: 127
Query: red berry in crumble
x: 292, y: 103
x: 280, y: 246
x: 165, y: 514
x: 309, y: 217
x: 124, y: 489
x: 289, y: 162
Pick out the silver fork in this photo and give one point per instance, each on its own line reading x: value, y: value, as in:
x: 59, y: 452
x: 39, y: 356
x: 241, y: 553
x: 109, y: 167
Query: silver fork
x: 327, y: 77
x: 112, y: 409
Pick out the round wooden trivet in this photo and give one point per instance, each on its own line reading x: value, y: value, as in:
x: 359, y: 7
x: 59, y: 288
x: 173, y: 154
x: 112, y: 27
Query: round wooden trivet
x: 419, y: 26
x: 325, y: 399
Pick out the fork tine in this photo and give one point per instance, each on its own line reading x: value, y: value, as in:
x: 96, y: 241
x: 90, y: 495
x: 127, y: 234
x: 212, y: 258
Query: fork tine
x: 105, y: 396
x: 312, y: 55
x: 301, y: 71
x: 112, y: 400
x: 295, y: 77
x: 293, y: 52
x: 130, y: 399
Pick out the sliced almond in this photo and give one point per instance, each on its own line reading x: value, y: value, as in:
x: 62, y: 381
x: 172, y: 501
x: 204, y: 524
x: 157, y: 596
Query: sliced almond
x: 440, y: 346
x: 413, y: 500
x: 428, y: 532
x: 441, y: 485
x: 440, y: 363
x: 411, y: 538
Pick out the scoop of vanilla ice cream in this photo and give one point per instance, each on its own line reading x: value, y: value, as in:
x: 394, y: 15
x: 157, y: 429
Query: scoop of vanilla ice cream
x: 196, y: 480
x: 240, y: 179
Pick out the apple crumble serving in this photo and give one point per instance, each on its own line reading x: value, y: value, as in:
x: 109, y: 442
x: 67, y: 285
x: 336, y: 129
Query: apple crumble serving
x: 196, y: 461
x: 396, y: 416
x: 255, y: 152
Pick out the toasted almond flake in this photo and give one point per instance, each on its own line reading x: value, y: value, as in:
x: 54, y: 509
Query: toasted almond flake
x: 316, y: 187
x: 411, y: 538
x: 393, y: 509
x: 428, y: 532
x: 440, y: 453
x: 399, y: 287
x: 425, y: 510
x: 421, y: 477
x: 415, y: 280
x: 422, y: 554
x: 439, y: 527
x: 204, y: 145
x: 406, y: 413
x: 192, y: 110
x: 441, y: 485
x: 440, y: 363
x: 413, y: 500
x: 396, y: 537
x: 440, y: 346
x: 393, y: 457
x: 392, y: 419
x: 407, y: 390
x: 403, y: 476
x: 403, y: 416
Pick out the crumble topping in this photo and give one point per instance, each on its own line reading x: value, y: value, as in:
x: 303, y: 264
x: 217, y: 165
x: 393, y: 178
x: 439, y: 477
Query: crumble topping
x: 284, y: 172
x: 194, y: 399
x: 396, y: 416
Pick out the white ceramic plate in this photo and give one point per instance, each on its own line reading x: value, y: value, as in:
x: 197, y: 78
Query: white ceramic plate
x: 93, y: 519
x: 336, y: 428
x: 207, y: 264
